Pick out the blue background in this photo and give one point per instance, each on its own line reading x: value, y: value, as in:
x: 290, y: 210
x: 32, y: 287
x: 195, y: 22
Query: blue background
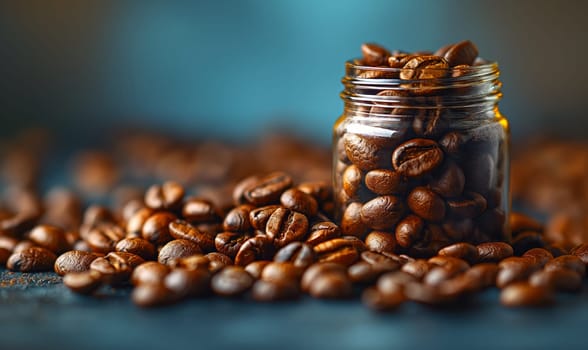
x: 232, y: 68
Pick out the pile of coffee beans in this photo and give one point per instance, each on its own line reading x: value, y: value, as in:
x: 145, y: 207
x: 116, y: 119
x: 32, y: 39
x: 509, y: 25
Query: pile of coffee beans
x: 418, y: 159
x: 274, y: 243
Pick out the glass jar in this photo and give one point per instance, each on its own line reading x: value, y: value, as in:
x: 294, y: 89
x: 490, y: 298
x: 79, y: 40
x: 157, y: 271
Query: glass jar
x: 422, y: 162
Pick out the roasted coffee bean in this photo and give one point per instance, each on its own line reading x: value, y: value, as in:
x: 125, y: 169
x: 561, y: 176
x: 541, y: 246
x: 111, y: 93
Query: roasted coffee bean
x: 32, y: 259
x: 167, y: 196
x: 426, y: 204
x: 394, y: 282
x: 424, y: 67
x: 320, y: 190
x: 196, y: 210
x: 218, y: 261
x: 237, y: 220
x: 299, y: 254
x: 8, y: 243
x: 385, y: 182
x: 450, y: 181
x: 268, y: 189
x: 483, y: 274
x: 520, y: 222
x: 322, y: 232
x: 130, y: 208
x: 135, y: 223
x: 330, y: 285
x: 281, y: 272
x: 255, y: 268
x: 240, y: 188
x: 564, y: 280
x: 380, y: 241
x: 382, y: 212
x: 430, y: 123
x: 380, y: 261
x: 149, y: 272
x: 494, y: 251
x: 192, y: 262
x: 438, y: 275
x: 84, y: 282
x: 229, y: 243
x: 297, y: 200
x: 152, y: 295
x: 363, y: 272
x: 97, y: 214
x: 255, y: 248
x: 458, y: 229
x: 345, y: 250
x: 469, y: 206
x: 417, y: 157
x: 137, y: 246
x: 526, y: 240
x: 351, y: 222
x: 449, y: 262
x: 418, y: 268
x: 50, y: 237
x: 318, y: 269
x: 374, y: 55
x: 427, y: 294
x: 464, y: 52
x: 409, y: 230
x: 274, y: 291
x: 375, y: 300
x: 462, y: 250
x: 188, y: 283
x: 285, y: 226
x: 231, y: 281
x: 74, y: 261
x: 364, y: 152
x: 571, y: 262
x: 116, y: 267
x: 352, y: 180
x: 524, y: 294
x: 452, y: 143
x: 181, y: 229
x: 480, y: 173
x: 178, y: 248
x: 258, y: 217
x: 539, y: 255
x: 104, y: 236
x: 156, y: 228
x: 515, y: 269
x: 581, y: 252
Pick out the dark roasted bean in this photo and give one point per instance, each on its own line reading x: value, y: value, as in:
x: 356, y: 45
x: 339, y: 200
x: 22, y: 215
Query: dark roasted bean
x: 181, y: 229
x: 135, y: 223
x: 218, y: 261
x: 231, y: 281
x: 380, y: 241
x: 50, y: 237
x: 426, y: 204
x: 285, y: 226
x: 229, y: 243
x: 255, y: 248
x: 299, y: 254
x: 268, y: 189
x: 352, y: 223
x: 385, y: 182
x: 192, y: 262
x: 149, y: 272
x: 376, y: 300
x: 524, y: 294
x: 255, y: 268
x: 418, y: 268
x: 258, y: 217
x: 116, y: 267
x: 188, y: 282
x: 104, y: 236
x: 74, y: 261
x: 31, y: 260
x: 156, y: 228
x: 382, y: 212
x: 539, y: 255
x: 323, y: 231
x: 462, y: 250
x: 571, y: 262
x: 281, y: 272
x: 318, y: 269
x: 345, y: 250
x: 409, y: 230
x: 167, y: 196
x: 424, y: 67
x: 515, y: 269
x: 330, y: 285
x: 84, y: 282
x: 564, y: 280
x: 198, y: 210
x: 237, y: 220
x: 494, y: 251
x: 464, y: 52
x: 374, y: 55
x: 176, y: 249
x: 137, y: 246
x: 151, y: 295
x: 417, y: 157
x: 297, y: 200
x: 263, y: 290
x: 450, y: 181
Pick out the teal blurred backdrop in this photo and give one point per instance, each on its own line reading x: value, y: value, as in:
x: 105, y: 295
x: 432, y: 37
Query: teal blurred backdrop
x: 232, y: 68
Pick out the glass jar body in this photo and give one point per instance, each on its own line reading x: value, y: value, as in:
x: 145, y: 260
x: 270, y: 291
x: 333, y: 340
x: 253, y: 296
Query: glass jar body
x: 423, y: 175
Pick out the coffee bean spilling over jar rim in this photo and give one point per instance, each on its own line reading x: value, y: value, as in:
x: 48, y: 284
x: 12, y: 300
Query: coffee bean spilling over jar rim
x: 421, y: 151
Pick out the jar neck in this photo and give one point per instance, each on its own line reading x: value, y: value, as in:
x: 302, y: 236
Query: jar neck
x: 382, y: 92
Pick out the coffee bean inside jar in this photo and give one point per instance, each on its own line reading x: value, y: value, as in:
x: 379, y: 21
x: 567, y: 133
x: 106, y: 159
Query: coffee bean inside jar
x: 421, y: 151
